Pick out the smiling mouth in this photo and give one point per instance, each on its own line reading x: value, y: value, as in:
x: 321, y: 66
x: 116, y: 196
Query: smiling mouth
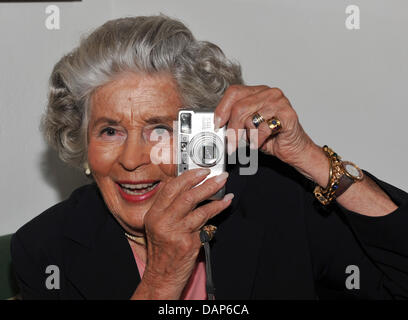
x: 138, y: 189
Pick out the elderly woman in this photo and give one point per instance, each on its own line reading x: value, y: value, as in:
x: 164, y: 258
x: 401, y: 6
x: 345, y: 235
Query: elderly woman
x: 307, y: 225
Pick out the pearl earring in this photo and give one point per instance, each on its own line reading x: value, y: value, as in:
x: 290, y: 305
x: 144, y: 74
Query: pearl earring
x: 87, y: 169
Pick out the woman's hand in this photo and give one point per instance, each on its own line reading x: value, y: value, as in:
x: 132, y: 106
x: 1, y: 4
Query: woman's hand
x: 237, y: 107
x: 172, y: 227
x: 292, y: 145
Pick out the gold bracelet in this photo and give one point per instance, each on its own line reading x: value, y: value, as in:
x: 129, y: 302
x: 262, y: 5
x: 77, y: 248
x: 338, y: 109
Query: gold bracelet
x: 328, y: 194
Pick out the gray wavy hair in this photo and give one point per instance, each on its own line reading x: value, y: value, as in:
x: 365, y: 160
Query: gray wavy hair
x: 145, y: 44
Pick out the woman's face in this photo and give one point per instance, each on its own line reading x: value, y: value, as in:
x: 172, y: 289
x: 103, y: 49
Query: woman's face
x: 128, y: 116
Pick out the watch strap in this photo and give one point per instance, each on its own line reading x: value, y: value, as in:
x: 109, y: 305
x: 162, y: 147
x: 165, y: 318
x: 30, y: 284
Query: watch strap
x: 340, y: 179
x: 344, y: 183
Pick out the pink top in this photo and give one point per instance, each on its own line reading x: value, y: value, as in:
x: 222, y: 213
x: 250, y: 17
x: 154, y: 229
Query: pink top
x: 195, y: 288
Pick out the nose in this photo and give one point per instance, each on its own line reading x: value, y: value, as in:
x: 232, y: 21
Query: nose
x: 135, y: 153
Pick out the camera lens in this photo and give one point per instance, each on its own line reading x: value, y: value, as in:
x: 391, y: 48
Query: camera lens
x: 208, y: 154
x: 206, y: 149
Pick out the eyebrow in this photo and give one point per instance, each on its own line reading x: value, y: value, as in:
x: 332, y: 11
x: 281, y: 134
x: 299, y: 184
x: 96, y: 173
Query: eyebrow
x: 109, y: 121
x: 152, y: 120
x: 160, y: 119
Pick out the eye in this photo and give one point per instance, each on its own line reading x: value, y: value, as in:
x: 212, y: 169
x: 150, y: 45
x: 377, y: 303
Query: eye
x: 109, y: 131
x: 158, y: 133
x: 162, y: 129
x: 110, y: 134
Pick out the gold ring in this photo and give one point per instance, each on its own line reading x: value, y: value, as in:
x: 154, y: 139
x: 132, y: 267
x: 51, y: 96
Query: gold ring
x: 257, y: 119
x: 275, y: 125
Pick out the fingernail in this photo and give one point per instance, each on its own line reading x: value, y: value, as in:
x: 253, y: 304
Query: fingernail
x: 221, y: 178
x: 230, y: 149
x: 228, y: 197
x: 230, y: 141
x: 203, y: 172
x: 243, y: 141
x: 217, y: 121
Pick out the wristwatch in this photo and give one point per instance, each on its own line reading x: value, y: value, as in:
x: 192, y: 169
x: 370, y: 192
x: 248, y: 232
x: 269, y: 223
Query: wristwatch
x: 351, y: 174
x: 342, y: 175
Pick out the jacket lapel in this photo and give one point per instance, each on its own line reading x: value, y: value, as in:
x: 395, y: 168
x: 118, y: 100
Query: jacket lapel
x: 236, y: 246
x: 234, y: 255
x: 101, y: 259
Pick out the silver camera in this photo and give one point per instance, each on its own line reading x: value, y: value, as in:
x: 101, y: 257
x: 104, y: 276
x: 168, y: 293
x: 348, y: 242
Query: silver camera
x: 199, y: 146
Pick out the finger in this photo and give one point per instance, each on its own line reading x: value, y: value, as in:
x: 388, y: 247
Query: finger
x: 281, y: 110
x: 187, y: 201
x: 240, y: 112
x: 232, y: 94
x: 199, y: 217
x: 178, y: 185
x: 257, y: 136
x: 270, y: 101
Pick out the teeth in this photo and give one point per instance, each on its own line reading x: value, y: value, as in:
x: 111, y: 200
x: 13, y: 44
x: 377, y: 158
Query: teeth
x: 145, y: 190
x: 136, y: 186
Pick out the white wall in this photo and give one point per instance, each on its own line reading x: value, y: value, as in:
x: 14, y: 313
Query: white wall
x: 32, y: 178
x: 348, y: 87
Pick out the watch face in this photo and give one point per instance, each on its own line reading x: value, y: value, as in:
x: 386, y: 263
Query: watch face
x: 352, y: 170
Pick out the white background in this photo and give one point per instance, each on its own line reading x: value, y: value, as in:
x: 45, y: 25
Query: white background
x: 348, y: 87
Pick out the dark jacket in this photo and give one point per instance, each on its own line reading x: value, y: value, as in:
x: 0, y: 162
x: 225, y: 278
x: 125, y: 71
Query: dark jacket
x: 274, y: 242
